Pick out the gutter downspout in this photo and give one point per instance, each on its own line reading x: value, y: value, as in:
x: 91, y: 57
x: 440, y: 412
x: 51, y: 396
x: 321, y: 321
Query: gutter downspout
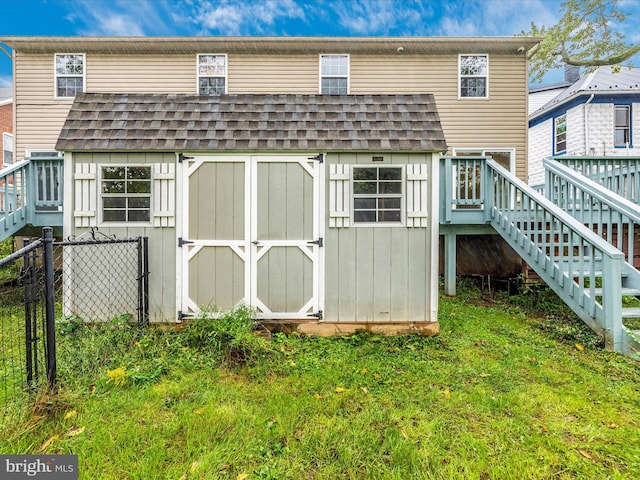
x: 586, y: 125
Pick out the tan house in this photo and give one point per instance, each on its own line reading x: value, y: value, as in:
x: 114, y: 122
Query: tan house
x: 297, y: 175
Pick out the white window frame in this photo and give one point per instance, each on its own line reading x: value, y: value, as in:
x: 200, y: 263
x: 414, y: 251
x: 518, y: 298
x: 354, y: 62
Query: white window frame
x: 5, y: 139
x: 616, y: 127
x: 461, y: 76
x: 402, y: 196
x: 102, y: 196
x: 57, y: 75
x: 555, y: 134
x: 347, y: 75
x: 225, y: 76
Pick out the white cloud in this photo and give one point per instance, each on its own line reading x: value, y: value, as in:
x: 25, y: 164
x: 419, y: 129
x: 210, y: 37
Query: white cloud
x: 6, y: 81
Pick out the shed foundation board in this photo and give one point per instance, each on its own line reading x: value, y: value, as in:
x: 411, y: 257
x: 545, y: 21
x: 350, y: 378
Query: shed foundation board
x: 332, y: 329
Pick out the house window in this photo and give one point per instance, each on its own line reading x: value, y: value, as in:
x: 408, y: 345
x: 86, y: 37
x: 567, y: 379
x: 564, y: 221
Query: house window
x: 69, y: 74
x: 377, y: 194
x: 126, y: 193
x: 7, y: 148
x: 622, y: 127
x: 212, y: 74
x: 334, y: 74
x: 560, y: 134
x: 474, y: 76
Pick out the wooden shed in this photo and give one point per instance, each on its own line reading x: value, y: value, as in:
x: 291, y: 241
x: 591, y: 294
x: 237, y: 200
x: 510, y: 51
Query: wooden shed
x: 319, y: 210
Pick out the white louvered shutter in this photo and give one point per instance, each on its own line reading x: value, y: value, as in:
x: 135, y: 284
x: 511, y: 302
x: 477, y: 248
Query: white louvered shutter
x: 86, y: 195
x: 164, y: 194
x: 339, y: 195
x: 417, y: 200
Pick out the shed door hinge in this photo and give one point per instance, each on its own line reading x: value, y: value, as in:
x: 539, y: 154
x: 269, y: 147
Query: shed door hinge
x: 319, y: 242
x: 319, y: 158
x: 182, y: 241
x: 318, y: 315
x: 182, y: 157
x: 182, y: 315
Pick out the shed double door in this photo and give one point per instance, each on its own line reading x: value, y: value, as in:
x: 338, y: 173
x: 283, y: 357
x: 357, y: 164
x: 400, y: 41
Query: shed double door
x: 252, y: 234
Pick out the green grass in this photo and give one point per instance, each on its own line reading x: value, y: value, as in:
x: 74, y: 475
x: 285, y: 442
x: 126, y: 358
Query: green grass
x: 505, y: 391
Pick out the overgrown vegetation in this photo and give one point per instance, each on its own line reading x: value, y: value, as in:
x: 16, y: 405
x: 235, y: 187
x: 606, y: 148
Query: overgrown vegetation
x: 503, y: 392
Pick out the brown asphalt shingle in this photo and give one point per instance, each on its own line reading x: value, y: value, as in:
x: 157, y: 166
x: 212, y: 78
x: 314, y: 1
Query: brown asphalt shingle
x: 252, y: 122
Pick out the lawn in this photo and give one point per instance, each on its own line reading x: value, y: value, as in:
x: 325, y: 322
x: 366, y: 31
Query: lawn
x: 505, y: 391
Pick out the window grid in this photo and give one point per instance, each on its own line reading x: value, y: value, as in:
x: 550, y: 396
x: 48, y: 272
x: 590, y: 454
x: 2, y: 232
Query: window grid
x: 212, y: 74
x: 622, y: 128
x: 69, y: 71
x: 474, y: 76
x: 377, y: 194
x: 334, y: 74
x: 126, y: 193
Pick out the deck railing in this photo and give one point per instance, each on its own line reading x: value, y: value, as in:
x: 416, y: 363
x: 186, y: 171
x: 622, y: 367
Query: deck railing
x: 605, y: 212
x: 30, y: 193
x: 621, y: 175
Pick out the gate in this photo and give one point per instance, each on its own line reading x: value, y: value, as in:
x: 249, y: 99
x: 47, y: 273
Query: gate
x: 92, y: 279
x: 252, y: 234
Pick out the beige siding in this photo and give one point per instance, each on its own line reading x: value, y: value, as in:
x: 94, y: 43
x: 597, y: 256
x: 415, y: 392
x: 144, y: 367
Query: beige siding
x: 498, y: 122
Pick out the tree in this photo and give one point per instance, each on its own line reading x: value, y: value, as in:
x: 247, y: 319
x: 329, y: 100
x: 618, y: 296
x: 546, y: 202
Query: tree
x: 587, y: 35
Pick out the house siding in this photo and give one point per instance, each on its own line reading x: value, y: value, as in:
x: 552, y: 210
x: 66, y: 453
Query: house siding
x: 540, y: 144
x: 497, y: 122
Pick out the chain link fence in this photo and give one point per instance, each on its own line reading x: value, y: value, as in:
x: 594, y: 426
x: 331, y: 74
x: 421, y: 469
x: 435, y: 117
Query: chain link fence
x: 92, y: 278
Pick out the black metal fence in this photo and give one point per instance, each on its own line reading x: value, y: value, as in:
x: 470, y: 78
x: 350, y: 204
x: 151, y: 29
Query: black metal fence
x: 92, y: 278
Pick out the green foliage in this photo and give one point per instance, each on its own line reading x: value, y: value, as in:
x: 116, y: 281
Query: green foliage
x: 587, y: 35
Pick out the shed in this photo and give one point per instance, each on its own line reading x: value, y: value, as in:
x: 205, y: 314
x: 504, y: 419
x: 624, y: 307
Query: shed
x: 321, y: 210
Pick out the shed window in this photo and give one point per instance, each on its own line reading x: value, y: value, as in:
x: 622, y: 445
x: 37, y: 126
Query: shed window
x: 7, y: 148
x: 212, y: 74
x: 474, y: 76
x: 334, y: 74
x: 70, y: 73
x: 560, y: 134
x: 126, y: 193
x: 377, y: 194
x: 622, y: 128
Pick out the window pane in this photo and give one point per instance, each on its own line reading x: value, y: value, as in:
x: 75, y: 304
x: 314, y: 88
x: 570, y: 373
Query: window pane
x: 113, y: 187
x: 365, y: 173
x: 391, y: 187
x: 69, y: 86
x: 364, y: 216
x: 473, y: 65
x: 334, y: 86
x: 139, y: 186
x: 390, y: 174
x: 113, y: 172
x: 473, y: 87
x: 69, y: 64
x: 389, y: 216
x: 622, y: 116
x: 114, y: 216
x: 212, y: 65
x: 621, y: 137
x: 212, y: 86
x: 139, y: 202
x: 140, y: 173
x: 114, y: 202
x: 138, y: 216
x: 360, y: 188
x: 364, y: 203
x: 334, y: 65
x: 387, y: 203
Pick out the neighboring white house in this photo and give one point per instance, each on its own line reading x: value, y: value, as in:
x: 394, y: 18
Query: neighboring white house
x: 6, y: 125
x: 592, y: 116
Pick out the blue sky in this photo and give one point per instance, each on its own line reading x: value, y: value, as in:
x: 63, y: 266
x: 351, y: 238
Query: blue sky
x: 280, y: 17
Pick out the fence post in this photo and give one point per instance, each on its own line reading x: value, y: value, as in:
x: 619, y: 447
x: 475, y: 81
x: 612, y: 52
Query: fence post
x: 47, y: 238
x: 145, y: 264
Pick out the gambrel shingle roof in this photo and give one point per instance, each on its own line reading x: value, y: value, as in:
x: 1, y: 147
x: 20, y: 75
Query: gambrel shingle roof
x: 252, y: 122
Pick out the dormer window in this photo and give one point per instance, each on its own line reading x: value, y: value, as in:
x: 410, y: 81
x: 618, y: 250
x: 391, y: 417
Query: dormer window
x: 334, y: 74
x: 212, y: 74
x: 70, y: 73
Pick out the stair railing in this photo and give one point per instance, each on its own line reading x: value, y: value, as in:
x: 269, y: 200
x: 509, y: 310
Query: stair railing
x: 13, y: 187
x: 568, y: 256
x: 611, y: 216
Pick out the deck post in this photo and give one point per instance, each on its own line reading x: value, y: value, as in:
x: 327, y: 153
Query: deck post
x: 611, y: 295
x: 450, y: 264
